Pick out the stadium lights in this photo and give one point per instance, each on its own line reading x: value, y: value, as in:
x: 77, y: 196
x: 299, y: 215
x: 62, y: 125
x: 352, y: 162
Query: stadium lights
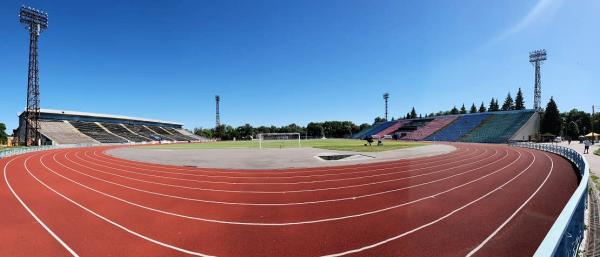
x: 36, y: 20
x: 537, y: 55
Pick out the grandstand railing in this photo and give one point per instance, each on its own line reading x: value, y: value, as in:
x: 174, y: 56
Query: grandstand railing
x: 566, y: 233
x: 4, y: 153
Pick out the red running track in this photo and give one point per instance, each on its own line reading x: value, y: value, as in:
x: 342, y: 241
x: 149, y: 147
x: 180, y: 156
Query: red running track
x: 480, y: 200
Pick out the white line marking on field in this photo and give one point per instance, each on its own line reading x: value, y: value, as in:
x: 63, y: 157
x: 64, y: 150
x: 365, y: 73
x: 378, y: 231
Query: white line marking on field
x: 271, y: 192
x: 33, y: 214
x: 273, y: 204
x: 283, y: 223
x: 472, y: 252
x: 432, y: 222
x: 110, y: 221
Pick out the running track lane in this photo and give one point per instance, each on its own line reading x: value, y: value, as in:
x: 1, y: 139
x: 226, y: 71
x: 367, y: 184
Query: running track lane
x: 502, y: 209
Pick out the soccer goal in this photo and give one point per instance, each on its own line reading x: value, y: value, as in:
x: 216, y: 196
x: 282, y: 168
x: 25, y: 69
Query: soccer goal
x: 279, y: 140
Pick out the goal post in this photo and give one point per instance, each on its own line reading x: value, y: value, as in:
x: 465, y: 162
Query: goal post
x: 279, y: 140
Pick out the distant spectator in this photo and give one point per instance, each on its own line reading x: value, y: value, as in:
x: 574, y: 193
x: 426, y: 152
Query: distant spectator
x: 586, y: 144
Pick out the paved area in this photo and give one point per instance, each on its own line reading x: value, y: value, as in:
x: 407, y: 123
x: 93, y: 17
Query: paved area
x: 269, y: 158
x: 593, y: 160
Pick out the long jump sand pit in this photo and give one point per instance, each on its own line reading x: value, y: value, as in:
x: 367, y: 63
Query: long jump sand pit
x: 270, y: 158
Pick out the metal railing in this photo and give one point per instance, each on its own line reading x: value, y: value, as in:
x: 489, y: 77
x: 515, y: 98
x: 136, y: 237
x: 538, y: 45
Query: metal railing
x: 566, y: 233
x: 8, y: 152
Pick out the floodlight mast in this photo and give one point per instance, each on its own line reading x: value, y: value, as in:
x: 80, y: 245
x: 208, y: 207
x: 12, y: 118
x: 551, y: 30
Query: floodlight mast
x: 386, y: 96
x: 35, y: 21
x: 218, y: 114
x: 536, y: 58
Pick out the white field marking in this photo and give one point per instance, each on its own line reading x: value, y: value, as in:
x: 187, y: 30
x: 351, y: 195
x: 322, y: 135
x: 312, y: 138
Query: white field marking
x: 275, y: 183
x: 472, y: 252
x: 39, y: 221
x: 282, y: 223
x: 432, y: 222
x: 108, y: 220
x: 268, y: 192
x: 369, y: 170
x: 273, y: 204
x: 279, y: 171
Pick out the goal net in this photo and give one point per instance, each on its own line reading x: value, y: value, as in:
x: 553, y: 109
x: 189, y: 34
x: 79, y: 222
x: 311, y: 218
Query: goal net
x: 278, y: 140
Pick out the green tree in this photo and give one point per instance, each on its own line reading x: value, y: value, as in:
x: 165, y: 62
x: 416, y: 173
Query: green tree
x: 3, y: 135
x: 519, y: 101
x: 581, y: 118
x: 508, y: 103
x: 482, y: 108
x: 378, y: 119
x: 473, y: 108
x: 551, y: 121
x: 413, y: 113
x: 572, y: 130
x: 463, y: 110
x: 454, y: 110
x: 493, y: 105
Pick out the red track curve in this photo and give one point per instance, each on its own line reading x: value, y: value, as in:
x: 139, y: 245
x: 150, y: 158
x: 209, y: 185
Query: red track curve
x: 484, y: 200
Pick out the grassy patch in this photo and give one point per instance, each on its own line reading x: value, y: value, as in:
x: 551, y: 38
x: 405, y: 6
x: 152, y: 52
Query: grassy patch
x: 597, y: 152
x: 329, y: 144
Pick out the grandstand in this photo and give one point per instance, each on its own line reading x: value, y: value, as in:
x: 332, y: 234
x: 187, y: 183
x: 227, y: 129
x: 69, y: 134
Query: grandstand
x: 499, y: 128
x: 69, y: 127
x: 461, y: 126
x: 488, y: 127
x: 431, y: 127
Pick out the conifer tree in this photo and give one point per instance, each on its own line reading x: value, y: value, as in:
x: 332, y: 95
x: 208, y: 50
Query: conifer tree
x: 509, y: 104
x: 519, y: 101
x: 482, y: 108
x: 473, y: 108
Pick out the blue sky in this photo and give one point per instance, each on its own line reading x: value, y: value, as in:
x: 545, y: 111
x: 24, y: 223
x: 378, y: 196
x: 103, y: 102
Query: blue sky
x: 280, y: 62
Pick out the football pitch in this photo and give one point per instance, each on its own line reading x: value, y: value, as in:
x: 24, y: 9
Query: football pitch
x: 329, y: 144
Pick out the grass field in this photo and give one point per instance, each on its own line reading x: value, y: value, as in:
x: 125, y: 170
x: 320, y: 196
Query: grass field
x: 597, y: 152
x: 329, y: 144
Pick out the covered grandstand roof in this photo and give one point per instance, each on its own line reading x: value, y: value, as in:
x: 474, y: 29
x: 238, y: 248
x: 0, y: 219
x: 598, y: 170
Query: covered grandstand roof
x: 109, y: 116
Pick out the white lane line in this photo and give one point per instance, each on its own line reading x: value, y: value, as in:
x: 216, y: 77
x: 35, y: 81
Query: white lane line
x: 277, y: 183
x: 472, y: 252
x: 272, y: 192
x: 279, y: 171
x: 432, y: 222
x: 282, y: 223
x: 39, y: 221
x: 365, y: 169
x: 109, y: 220
x: 275, y: 204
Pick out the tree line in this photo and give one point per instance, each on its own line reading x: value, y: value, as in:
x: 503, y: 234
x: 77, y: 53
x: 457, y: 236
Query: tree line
x: 509, y: 104
x: 571, y: 124
x: 329, y: 129
x: 3, y: 135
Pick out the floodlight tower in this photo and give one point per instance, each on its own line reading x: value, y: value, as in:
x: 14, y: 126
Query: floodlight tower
x: 386, y: 96
x: 35, y: 21
x: 536, y: 58
x: 218, y: 116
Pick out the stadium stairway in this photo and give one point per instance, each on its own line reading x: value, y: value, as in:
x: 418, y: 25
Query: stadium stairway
x: 96, y: 132
x: 391, y: 129
x: 162, y: 133
x: 462, y: 125
x: 123, y: 132
x: 430, y: 128
x: 191, y: 135
x: 63, y: 133
x: 499, y: 128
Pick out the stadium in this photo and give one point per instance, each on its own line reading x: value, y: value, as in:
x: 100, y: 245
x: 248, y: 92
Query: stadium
x: 479, y: 183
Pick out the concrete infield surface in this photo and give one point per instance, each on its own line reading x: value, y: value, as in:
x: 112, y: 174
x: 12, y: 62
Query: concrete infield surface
x: 270, y: 158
